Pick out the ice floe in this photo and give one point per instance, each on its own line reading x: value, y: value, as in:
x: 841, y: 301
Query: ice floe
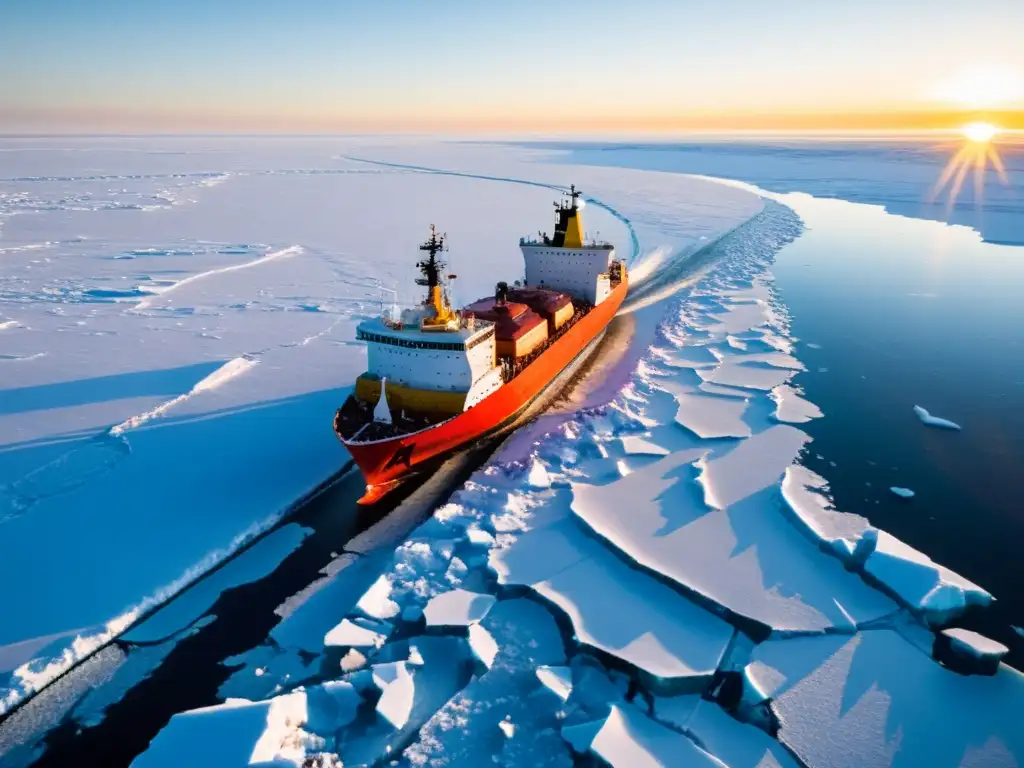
x: 457, y: 608
x: 743, y: 557
x: 969, y: 652
x: 238, y: 732
x: 934, y: 421
x: 791, y: 408
x: 903, y: 493
x: 671, y: 641
x: 708, y: 416
x: 348, y: 634
x: 850, y: 536
x: 738, y: 745
x: 875, y: 700
x: 558, y: 680
x: 627, y: 738
x: 927, y: 587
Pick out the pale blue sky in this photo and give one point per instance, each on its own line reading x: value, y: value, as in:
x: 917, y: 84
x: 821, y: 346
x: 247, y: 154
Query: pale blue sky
x: 394, y: 64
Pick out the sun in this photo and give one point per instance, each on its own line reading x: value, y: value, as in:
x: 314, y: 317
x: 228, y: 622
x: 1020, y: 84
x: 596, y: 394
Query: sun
x: 980, y: 133
x: 978, y: 152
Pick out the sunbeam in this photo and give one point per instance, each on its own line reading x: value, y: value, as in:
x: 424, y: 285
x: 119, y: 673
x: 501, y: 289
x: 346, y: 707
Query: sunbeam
x: 977, y: 153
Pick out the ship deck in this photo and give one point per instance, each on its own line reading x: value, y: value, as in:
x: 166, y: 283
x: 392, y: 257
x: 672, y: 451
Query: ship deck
x: 354, y: 420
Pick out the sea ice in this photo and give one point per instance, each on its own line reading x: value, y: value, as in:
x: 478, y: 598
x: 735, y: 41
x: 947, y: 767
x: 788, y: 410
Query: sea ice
x: 736, y: 744
x: 330, y: 706
x: 743, y: 556
x: 926, y: 587
x: 629, y: 739
x: 483, y: 645
x: 641, y: 446
x: 395, y: 704
x: 708, y: 416
x: 465, y: 731
x: 350, y: 635
x: 558, y: 680
x: 376, y: 603
x: 671, y: 642
x: 667, y: 638
x: 969, y: 652
x: 875, y: 700
x: 457, y: 608
x: 903, y: 493
x: 238, y: 732
x: 791, y: 408
x: 934, y: 421
x: 805, y: 493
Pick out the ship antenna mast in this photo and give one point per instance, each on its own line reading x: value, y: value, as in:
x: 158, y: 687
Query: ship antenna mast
x: 431, y: 266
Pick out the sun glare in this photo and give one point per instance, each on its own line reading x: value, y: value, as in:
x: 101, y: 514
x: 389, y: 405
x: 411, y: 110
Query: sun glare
x: 980, y: 133
x: 976, y: 155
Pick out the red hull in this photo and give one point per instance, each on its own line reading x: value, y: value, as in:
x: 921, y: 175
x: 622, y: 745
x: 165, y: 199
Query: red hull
x: 384, y: 462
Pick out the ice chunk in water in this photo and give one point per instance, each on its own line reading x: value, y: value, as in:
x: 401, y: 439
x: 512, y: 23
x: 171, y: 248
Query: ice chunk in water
x: 350, y: 634
x: 969, y: 652
x: 927, y: 587
x: 849, y: 536
x: 934, y: 421
x: 558, y: 680
x: 629, y: 739
x: 457, y: 608
x: 237, y: 732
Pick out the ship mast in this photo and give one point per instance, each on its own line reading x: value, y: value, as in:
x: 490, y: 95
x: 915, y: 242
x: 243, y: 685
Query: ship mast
x: 431, y: 266
x: 568, y: 229
x: 437, y: 297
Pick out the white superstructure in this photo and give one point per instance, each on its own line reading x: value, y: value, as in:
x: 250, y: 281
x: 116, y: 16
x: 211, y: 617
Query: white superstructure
x: 459, y: 361
x: 564, y: 262
x: 580, y: 272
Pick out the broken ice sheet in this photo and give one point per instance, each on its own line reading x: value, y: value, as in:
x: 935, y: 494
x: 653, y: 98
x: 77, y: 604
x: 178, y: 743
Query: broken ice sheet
x: 237, y: 732
x: 887, y: 703
x: 627, y: 738
x: 746, y: 556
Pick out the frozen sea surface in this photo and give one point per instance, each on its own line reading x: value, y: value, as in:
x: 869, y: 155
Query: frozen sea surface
x: 655, y: 580
x: 177, y: 322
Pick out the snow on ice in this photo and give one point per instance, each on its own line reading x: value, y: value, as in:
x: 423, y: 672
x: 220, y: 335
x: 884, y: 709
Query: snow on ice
x: 875, y: 700
x: 660, y: 539
x: 152, y: 333
x: 457, y: 608
x: 969, y: 652
x: 238, y: 732
x: 629, y: 739
x: 925, y: 586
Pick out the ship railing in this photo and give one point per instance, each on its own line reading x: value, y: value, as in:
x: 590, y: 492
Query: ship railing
x: 391, y: 316
x: 593, y: 243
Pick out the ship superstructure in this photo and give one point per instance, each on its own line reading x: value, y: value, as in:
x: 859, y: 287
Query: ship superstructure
x: 437, y: 378
x: 564, y: 261
x: 430, y: 361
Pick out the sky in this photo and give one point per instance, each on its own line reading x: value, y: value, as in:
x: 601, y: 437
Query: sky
x: 522, y: 66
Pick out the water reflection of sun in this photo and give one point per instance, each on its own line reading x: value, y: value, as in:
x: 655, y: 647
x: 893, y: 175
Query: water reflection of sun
x: 976, y: 154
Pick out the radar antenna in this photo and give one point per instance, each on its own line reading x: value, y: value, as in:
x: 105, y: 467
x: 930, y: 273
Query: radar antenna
x: 432, y: 266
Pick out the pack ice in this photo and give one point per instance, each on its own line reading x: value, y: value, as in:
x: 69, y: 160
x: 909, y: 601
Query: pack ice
x: 656, y: 581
